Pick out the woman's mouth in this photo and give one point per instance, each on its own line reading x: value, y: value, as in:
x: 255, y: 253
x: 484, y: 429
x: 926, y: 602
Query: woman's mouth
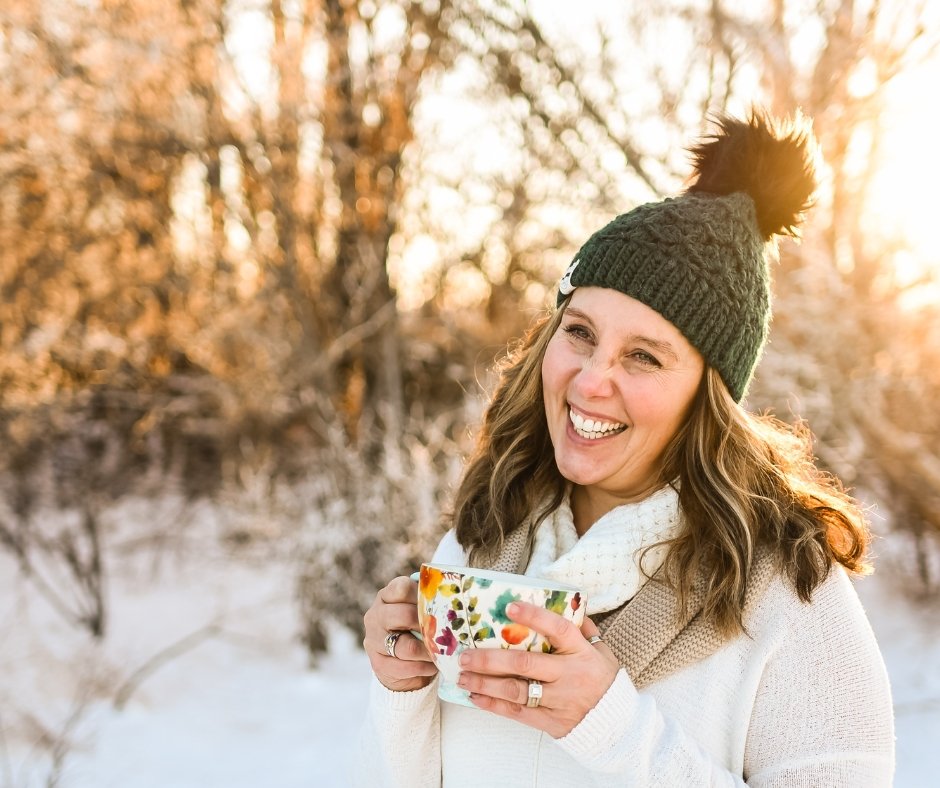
x: 593, y: 429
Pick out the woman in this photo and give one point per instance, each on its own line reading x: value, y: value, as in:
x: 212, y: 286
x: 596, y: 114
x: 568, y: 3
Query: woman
x: 725, y: 644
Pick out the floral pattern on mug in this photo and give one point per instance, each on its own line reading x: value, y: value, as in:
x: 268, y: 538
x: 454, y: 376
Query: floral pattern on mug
x: 430, y: 581
x: 458, y: 610
x: 514, y: 634
x: 428, y: 627
x: 447, y: 641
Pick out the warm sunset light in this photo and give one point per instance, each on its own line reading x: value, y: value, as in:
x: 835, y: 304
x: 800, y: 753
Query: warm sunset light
x: 263, y: 267
x: 901, y: 204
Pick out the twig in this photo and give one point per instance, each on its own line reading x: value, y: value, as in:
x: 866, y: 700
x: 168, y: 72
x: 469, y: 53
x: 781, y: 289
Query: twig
x: 53, y: 740
x: 62, y: 744
x: 358, y: 333
x: 46, y: 588
x: 159, y: 659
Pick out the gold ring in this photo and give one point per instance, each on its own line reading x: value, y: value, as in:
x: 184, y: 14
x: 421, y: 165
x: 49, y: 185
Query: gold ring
x: 535, y: 694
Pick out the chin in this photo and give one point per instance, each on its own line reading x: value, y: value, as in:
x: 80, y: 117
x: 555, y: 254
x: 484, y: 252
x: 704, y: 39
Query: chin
x: 580, y: 476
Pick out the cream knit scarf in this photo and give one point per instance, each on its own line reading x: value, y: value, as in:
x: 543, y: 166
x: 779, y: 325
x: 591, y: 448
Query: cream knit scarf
x: 605, y: 562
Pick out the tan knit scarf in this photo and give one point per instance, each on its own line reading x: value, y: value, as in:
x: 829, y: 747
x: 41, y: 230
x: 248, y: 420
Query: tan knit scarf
x: 648, y: 634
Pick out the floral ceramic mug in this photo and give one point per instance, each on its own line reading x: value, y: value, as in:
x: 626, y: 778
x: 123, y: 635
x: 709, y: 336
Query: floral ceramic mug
x: 461, y: 608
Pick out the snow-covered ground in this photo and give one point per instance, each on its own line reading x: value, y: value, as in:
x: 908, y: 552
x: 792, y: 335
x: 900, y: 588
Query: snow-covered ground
x: 235, y: 704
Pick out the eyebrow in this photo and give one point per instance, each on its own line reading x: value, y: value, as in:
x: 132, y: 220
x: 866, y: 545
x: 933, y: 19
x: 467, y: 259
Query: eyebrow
x: 656, y: 344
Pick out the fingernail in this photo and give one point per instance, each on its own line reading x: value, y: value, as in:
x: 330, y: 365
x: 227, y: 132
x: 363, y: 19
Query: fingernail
x: 464, y: 660
x: 512, y: 609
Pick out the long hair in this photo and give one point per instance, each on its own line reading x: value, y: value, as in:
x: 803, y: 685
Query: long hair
x: 511, y: 477
x: 745, y: 482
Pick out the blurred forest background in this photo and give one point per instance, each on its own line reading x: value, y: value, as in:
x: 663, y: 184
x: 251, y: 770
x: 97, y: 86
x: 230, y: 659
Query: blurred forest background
x: 257, y: 256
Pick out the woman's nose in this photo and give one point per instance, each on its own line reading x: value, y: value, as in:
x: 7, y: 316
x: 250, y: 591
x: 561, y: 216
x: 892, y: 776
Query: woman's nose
x: 594, y: 379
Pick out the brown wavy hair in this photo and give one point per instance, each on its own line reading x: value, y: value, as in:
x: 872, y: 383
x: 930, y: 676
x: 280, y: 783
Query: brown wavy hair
x: 511, y: 477
x: 745, y: 482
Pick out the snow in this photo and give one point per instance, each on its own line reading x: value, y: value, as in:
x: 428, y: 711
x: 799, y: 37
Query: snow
x: 238, y: 704
x: 235, y: 705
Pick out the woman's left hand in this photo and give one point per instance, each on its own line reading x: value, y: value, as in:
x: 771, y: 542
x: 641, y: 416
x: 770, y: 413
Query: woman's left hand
x: 574, y: 677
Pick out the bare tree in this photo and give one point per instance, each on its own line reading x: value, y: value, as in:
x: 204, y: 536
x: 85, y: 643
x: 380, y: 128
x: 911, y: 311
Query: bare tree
x: 202, y: 233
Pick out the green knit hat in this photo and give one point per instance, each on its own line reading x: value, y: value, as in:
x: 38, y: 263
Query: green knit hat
x: 699, y: 259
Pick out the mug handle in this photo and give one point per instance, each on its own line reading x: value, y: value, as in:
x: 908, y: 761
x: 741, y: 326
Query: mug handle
x: 415, y: 577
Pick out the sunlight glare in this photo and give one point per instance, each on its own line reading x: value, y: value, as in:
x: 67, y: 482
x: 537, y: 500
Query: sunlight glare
x: 902, y: 198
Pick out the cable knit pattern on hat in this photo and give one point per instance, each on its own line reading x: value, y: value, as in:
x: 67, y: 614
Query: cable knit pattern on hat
x: 697, y: 260
x: 604, y: 563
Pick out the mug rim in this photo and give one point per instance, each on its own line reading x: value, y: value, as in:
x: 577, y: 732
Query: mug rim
x: 504, y: 577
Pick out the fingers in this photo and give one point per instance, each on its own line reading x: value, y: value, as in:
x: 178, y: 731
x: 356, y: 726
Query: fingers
x: 589, y: 628
x: 398, y: 616
x: 582, y: 679
x: 395, y: 610
x: 564, y: 636
x: 409, y: 649
x: 400, y: 669
x: 401, y: 589
x: 401, y: 675
x: 561, y: 633
x: 573, y: 677
x: 512, y: 690
x: 510, y: 662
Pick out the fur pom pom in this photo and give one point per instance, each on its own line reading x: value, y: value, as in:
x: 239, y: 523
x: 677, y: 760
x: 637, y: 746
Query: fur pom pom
x: 772, y: 161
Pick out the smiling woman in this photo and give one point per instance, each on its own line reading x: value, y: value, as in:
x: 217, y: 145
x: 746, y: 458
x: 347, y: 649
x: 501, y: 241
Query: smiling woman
x: 618, y: 380
x: 724, y: 644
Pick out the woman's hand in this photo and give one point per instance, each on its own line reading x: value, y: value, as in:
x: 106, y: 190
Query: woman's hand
x: 395, y: 609
x: 574, y: 677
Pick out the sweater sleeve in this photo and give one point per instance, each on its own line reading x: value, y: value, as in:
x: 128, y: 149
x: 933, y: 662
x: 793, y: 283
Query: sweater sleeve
x: 400, y: 743
x: 626, y: 740
x: 400, y: 739
x: 822, y: 714
x: 827, y: 678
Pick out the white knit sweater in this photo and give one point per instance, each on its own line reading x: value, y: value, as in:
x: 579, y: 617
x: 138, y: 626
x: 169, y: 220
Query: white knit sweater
x: 802, y: 700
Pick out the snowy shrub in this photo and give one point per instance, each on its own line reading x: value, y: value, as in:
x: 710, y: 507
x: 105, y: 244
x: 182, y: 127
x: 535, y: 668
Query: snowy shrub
x: 370, y: 522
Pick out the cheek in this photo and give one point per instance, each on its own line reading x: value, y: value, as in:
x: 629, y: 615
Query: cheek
x: 661, y: 412
x: 552, y: 372
x: 669, y: 413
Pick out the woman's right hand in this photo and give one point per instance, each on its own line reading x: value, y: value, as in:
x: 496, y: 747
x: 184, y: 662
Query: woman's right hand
x: 395, y: 609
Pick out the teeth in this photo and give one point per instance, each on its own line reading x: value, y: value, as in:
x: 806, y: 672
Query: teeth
x: 589, y: 428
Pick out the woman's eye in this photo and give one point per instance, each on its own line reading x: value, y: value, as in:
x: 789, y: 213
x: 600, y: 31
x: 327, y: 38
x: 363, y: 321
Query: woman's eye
x: 578, y: 331
x: 645, y: 358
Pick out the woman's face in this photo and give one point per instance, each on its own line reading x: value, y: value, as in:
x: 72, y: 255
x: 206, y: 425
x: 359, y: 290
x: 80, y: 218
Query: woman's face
x: 618, y: 381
